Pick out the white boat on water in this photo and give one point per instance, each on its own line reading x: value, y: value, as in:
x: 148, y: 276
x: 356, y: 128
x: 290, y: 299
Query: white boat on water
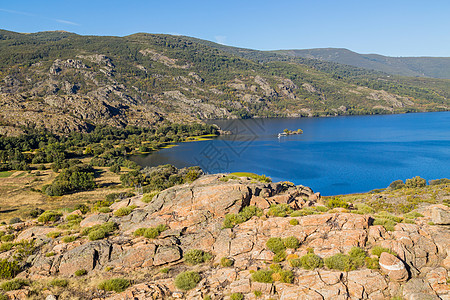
x: 282, y: 134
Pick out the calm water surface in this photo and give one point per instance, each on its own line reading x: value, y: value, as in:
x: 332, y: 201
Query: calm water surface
x: 334, y: 155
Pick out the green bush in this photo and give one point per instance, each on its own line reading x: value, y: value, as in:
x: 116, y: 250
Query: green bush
x: 280, y: 256
x: 8, y: 269
x: 279, y: 210
x: 293, y: 222
x: 337, y: 202
x: 295, y: 262
x: 6, y: 247
x: 415, y: 182
x: 7, y: 238
x: 286, y: 276
x: 389, y: 225
x: 363, y: 209
x: 372, y: 263
x: 53, y: 234
x: 149, y: 196
x: 59, y: 282
x: 340, y: 262
x: 36, y: 212
x: 236, y: 296
x: 14, y: 284
x: 195, y: 257
x: 139, y: 231
x: 264, y: 276
x: 49, y: 216
x: 50, y: 254
x: 14, y: 220
x: 275, y: 245
x: 377, y: 250
x: 226, y: 262
x: 151, y: 233
x: 164, y: 270
x: 439, y: 181
x: 124, y: 211
x: 187, y: 280
x: 310, y: 261
x: 104, y: 210
x: 69, y: 239
x: 397, y: 184
x: 247, y: 213
x: 257, y: 294
x: 80, y: 272
x: 291, y: 242
x: 97, y: 234
x: 116, y: 284
x: 358, y: 257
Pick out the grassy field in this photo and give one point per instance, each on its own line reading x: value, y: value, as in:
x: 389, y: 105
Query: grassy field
x: 20, y: 192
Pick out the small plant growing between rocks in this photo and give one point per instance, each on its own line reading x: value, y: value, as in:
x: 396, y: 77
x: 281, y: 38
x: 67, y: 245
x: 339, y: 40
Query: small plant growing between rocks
x: 264, y: 276
x: 226, y: 262
x: 247, y: 213
x: 149, y: 196
x: 342, y: 262
x: 291, y: 242
x: 69, y: 239
x: 280, y: 210
x: 279, y: 257
x: 104, y: 210
x: 257, y: 294
x: 310, y: 261
x: 187, y: 280
x: 53, y: 234
x: 293, y: 222
x: 164, y: 270
x: 59, y: 282
x: 9, y: 269
x: 49, y: 216
x: 116, y: 284
x: 49, y: 254
x: 7, y: 238
x: 151, y: 232
x: 236, y: 296
x: 80, y: 272
x: 377, y: 250
x: 14, y: 284
x: 98, y: 232
x: 337, y: 202
x: 124, y: 211
x: 275, y: 245
x: 195, y: 257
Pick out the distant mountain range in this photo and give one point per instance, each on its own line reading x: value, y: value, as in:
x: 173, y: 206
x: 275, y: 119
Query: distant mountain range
x: 64, y: 82
x: 436, y: 67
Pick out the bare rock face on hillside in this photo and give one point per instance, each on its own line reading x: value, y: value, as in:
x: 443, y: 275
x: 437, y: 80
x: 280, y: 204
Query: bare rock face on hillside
x: 194, y: 216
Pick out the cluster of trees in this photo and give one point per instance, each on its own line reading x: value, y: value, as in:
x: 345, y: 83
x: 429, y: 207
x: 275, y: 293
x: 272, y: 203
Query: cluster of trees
x: 72, y: 179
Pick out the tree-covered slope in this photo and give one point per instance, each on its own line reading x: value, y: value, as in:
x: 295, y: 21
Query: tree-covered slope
x: 435, y: 67
x: 64, y: 82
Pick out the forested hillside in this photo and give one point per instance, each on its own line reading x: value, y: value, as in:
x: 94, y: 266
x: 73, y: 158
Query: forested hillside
x: 64, y: 82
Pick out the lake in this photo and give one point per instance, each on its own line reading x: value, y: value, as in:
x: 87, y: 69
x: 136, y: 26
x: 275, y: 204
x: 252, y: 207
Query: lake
x: 336, y: 155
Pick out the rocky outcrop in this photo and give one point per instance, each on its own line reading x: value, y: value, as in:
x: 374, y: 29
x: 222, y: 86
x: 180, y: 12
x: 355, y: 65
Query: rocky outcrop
x: 194, y: 214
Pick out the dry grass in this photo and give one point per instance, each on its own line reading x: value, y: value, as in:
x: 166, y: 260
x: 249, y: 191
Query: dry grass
x: 19, y: 192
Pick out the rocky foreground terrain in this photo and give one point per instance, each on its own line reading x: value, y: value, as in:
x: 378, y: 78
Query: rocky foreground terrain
x: 414, y: 265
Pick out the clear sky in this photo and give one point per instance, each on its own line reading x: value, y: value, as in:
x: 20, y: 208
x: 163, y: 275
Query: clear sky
x: 394, y: 27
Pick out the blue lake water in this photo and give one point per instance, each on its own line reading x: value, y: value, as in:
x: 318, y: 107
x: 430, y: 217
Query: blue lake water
x: 333, y: 156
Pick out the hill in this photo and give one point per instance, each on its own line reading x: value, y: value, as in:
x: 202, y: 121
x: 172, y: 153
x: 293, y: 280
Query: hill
x: 66, y: 82
x: 435, y: 67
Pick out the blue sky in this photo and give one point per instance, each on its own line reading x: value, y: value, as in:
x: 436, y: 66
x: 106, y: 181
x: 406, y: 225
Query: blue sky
x: 395, y: 27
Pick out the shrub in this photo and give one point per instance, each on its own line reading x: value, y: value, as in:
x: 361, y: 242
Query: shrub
x: 6, y: 247
x: 49, y: 254
x: 195, y: 256
x: 49, y: 216
x: 15, y: 220
x: 264, y: 276
x: 372, y: 263
x: 236, y: 296
x: 439, y: 181
x: 226, y: 262
x: 303, y: 212
x: 286, y: 276
x: 377, y: 250
x: 139, y: 231
x: 8, y: 269
x: 358, y: 256
x: 337, y: 202
x: 311, y: 261
x: 340, y: 262
x: 291, y: 242
x: 295, y: 262
x: 80, y: 272
x: 257, y: 294
x: 247, y: 213
x: 149, y: 196
x: 116, y: 284
x: 164, y: 270
x: 280, y: 256
x: 187, y: 280
x: 124, y: 211
x: 69, y: 239
x: 415, y: 182
x: 275, y: 245
x: 59, y: 282
x: 397, y: 184
x: 7, y: 238
x: 82, y: 207
x: 97, y: 234
x: 151, y: 233
x: 364, y: 209
x: 104, y: 210
x: 53, y: 234
x: 279, y: 210
x: 14, y: 284
x: 36, y: 212
x: 413, y: 215
x: 293, y: 222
